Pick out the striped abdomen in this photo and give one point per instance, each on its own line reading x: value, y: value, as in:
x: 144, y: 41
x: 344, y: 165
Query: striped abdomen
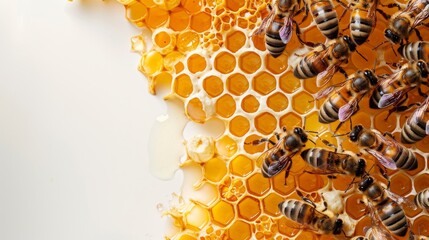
x: 273, y: 42
x: 404, y: 159
x: 422, y: 199
x: 415, y: 51
x: 393, y: 218
x: 329, y: 111
x: 325, y: 17
x: 376, y: 96
x: 297, y: 211
x: 360, y: 27
x: 413, y: 132
x: 327, y: 161
x: 310, y: 66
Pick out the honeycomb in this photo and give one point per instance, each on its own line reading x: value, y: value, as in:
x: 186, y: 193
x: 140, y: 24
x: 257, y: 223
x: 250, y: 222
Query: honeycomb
x: 220, y: 70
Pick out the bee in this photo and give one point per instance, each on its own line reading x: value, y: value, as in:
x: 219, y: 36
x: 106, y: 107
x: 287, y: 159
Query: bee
x: 393, y: 89
x: 402, y: 23
x: 415, y: 51
x: 422, y: 199
x: 324, y: 61
x: 385, y: 149
x: 279, y: 157
x: 417, y: 126
x: 385, y: 206
x: 362, y: 19
x: 329, y: 162
x: 344, y: 101
x: 278, y: 25
x: 325, y: 16
x: 307, y: 215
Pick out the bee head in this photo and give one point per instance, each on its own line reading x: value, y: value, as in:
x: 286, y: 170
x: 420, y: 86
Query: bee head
x: 354, y: 134
x: 365, y: 183
x: 390, y: 35
x: 423, y: 68
x: 350, y: 43
x: 361, y: 167
x: 371, y: 77
x: 301, y: 133
x: 338, y: 226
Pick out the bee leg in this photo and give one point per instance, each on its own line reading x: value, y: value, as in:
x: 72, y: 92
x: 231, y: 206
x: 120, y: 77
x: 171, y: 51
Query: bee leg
x: 383, y: 172
x: 346, y: 7
x: 327, y: 143
x: 298, y: 35
x: 391, y: 5
x: 259, y: 141
x: 383, y: 14
x: 288, y: 166
x: 388, y: 134
x: 419, y: 35
x: 305, y: 7
x: 341, y: 70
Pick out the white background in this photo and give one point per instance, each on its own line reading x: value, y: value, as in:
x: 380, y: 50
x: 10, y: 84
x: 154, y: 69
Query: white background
x: 75, y: 117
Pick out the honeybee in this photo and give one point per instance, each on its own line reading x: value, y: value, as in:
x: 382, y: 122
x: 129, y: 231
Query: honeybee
x: 362, y: 19
x: 324, y: 61
x: 329, y: 162
x: 393, y: 89
x: 417, y: 126
x: 308, y: 216
x: 344, y: 101
x: 402, y: 23
x: 386, y: 150
x: 325, y: 16
x: 415, y: 51
x: 279, y: 157
x: 422, y: 199
x: 278, y: 25
x: 384, y: 206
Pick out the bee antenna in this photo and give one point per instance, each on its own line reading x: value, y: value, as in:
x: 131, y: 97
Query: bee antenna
x: 352, y: 182
x: 379, y: 45
x: 312, y: 141
x: 360, y: 54
x: 369, y: 170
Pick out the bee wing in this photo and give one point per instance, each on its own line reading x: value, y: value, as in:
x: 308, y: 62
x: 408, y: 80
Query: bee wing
x: 326, y: 91
x: 385, y: 161
x: 264, y: 24
x: 390, y: 98
x: 346, y: 111
x: 419, y: 113
x: 377, y: 229
x: 325, y: 76
x: 286, y: 30
x: 424, y: 14
x: 269, y: 151
x: 401, y: 200
x: 276, y: 167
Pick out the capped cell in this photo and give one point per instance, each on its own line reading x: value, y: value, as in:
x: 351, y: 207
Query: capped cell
x: 213, y: 85
x: 264, y: 83
x: 235, y: 41
x: 258, y: 185
x: 237, y: 84
x: 277, y: 102
x: 225, y: 62
x: 249, y: 208
x: 249, y: 62
x: 265, y: 123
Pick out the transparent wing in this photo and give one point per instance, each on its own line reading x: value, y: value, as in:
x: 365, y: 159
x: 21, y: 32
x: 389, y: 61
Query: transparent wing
x: 390, y: 98
x: 421, y: 16
x: 346, y: 111
x: 419, y: 114
x: 327, y: 90
x: 401, y: 200
x: 377, y: 230
x: 276, y: 167
x: 385, y: 161
x: 286, y: 30
x: 325, y: 76
x: 264, y: 24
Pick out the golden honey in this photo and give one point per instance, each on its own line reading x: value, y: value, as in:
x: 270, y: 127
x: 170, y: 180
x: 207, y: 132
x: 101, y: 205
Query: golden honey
x: 219, y: 69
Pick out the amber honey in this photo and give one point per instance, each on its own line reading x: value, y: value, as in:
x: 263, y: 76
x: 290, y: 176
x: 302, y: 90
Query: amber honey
x: 219, y: 69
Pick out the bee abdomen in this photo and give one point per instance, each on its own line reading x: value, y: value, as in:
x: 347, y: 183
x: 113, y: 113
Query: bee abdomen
x: 294, y: 210
x: 314, y: 156
x: 304, y: 69
x: 360, y: 29
x: 273, y: 42
x: 406, y: 160
x: 328, y: 112
x: 375, y: 98
x: 415, y: 51
x: 412, y: 133
x: 394, y: 219
x: 327, y: 21
x: 422, y: 199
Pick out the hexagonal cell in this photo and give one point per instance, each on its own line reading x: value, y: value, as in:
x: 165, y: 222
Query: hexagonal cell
x: 151, y: 63
x: 185, y: 236
x: 225, y: 62
x: 237, y: 84
x: 196, y: 63
x: 251, y: 148
x: 235, y: 41
x: 225, y: 106
x: 215, y: 169
x: 411, y: 212
x: 423, y: 144
x: 179, y: 19
x: 302, y: 102
x: 312, y: 123
x: 265, y: 123
x: 362, y: 117
x: 222, y: 213
x: 354, y: 208
x: 234, y: 5
x: 249, y: 62
x: 264, y: 83
x: 420, y: 225
x: 192, y: 6
x: 249, y: 209
x: 401, y: 184
x: 250, y: 104
x: 164, y: 42
x: 194, y: 110
x: 239, y: 231
x: 157, y: 17
x: 239, y: 126
x: 241, y: 166
x: 286, y: 227
x: 283, y: 186
x: 276, y: 65
x: 289, y: 83
x: 187, y: 41
x: 290, y: 120
x: 197, y: 218
x: 369, y: 54
x: 258, y: 185
x: 213, y: 85
x: 305, y: 235
x: 136, y: 12
x: 421, y: 182
x: 232, y: 189
x: 226, y: 146
x: 384, y: 125
x: 271, y: 203
x: 278, y: 102
x: 201, y: 22
x: 310, y: 182
x: 362, y: 225
x: 342, y: 182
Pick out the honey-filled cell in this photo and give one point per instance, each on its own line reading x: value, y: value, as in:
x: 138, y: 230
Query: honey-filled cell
x: 290, y: 120
x: 183, y: 85
x: 310, y: 182
x: 401, y: 184
x: 259, y: 41
x: 302, y: 102
x: 224, y: 62
x: 354, y: 208
x: 421, y: 182
x: 287, y: 227
x: 283, y: 186
x: 342, y: 182
x: 239, y: 126
x: 215, y: 169
x: 258, y: 185
x: 187, y: 41
x: 253, y: 148
x: 237, y: 84
x: 423, y: 144
x: 265, y: 123
x: 289, y: 83
x: 192, y: 6
x: 383, y: 123
x: 179, y: 19
x: 306, y: 235
x: 225, y: 106
x: 249, y: 62
x: 241, y: 166
x: 363, y: 225
x: 264, y: 83
x: 277, y: 102
x: 235, y: 5
x: 420, y: 225
x: 194, y: 110
x: 222, y: 213
x: 201, y: 21
x: 226, y: 146
x: 276, y: 65
x: 213, y: 85
x: 249, y: 208
x: 235, y: 41
x: 136, y: 13
x: 411, y: 211
x: 196, y: 63
x: 250, y: 104
x: 270, y: 204
x: 240, y: 230
x: 157, y: 17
